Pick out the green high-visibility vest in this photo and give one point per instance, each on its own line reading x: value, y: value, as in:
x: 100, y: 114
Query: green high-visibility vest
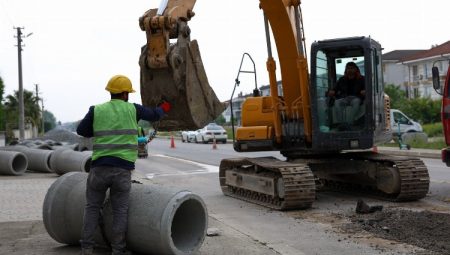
x: 115, y: 130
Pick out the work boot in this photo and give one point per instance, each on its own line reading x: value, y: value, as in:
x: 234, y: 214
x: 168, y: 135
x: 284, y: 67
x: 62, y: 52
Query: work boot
x: 88, y: 251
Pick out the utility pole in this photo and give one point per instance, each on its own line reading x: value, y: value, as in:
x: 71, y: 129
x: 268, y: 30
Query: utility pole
x: 21, y: 107
x: 43, y: 118
x: 42, y: 101
x: 21, y: 104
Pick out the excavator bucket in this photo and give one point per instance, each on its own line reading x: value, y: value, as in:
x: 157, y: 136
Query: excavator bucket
x: 176, y: 75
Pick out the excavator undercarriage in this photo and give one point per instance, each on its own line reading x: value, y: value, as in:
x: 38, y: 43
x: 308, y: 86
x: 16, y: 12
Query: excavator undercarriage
x: 293, y: 184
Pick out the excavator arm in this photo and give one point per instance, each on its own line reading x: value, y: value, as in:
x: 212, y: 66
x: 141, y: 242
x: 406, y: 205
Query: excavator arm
x: 174, y: 71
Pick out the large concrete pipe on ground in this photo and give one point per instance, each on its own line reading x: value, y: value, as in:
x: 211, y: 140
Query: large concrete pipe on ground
x: 12, y: 163
x: 66, y: 160
x: 38, y: 160
x: 161, y: 220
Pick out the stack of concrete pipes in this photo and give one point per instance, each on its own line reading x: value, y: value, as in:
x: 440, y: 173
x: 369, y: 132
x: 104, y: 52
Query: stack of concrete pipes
x: 161, y: 220
x: 61, y: 160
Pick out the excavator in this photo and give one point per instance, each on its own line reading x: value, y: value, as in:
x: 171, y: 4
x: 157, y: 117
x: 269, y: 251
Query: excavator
x: 324, y: 147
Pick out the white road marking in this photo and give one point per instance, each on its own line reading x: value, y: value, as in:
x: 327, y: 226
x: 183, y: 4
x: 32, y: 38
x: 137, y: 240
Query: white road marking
x: 203, y: 168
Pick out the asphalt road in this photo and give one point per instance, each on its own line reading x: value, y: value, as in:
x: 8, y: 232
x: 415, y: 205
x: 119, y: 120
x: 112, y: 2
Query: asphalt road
x: 314, y: 231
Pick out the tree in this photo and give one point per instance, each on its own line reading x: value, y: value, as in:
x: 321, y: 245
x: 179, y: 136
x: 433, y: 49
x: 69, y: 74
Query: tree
x: 31, y: 109
x: 424, y: 110
x: 220, y: 120
x: 49, y: 121
x: 397, y: 96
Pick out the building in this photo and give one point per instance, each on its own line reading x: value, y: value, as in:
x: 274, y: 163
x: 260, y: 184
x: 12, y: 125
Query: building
x: 393, y: 71
x: 411, y: 69
x: 419, y: 65
x: 237, y: 107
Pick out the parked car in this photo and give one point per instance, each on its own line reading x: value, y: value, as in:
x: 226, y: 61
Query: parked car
x: 211, y: 131
x: 188, y: 136
x: 406, y: 123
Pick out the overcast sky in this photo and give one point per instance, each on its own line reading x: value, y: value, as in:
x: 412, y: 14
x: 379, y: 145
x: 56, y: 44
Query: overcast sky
x: 76, y: 46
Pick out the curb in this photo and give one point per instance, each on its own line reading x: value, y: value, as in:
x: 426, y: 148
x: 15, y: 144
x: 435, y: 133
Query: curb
x: 421, y: 153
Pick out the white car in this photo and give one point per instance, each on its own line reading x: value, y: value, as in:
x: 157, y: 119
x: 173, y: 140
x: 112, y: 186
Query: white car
x: 211, y: 131
x: 188, y: 136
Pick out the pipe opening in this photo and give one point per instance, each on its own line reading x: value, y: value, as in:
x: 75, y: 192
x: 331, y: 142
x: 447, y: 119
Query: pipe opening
x: 87, y: 165
x: 48, y: 161
x: 19, y: 163
x: 189, y: 225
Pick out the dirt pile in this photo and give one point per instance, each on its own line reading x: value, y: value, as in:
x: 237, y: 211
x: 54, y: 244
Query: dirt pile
x: 62, y: 135
x: 425, y: 229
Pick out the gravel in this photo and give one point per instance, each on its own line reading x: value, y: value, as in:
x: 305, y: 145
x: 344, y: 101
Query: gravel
x: 425, y: 229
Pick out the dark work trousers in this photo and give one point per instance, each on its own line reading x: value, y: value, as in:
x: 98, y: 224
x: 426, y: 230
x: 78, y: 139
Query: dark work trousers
x: 118, y: 180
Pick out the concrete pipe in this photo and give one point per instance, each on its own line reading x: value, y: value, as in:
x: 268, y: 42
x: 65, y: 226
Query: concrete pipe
x: 64, y: 160
x: 12, y: 163
x: 161, y: 220
x: 38, y: 160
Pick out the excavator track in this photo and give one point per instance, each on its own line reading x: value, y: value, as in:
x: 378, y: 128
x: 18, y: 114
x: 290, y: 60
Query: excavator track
x: 292, y: 184
x: 414, y: 180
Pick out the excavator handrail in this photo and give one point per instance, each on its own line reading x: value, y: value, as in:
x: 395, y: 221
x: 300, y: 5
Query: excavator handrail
x: 237, y: 82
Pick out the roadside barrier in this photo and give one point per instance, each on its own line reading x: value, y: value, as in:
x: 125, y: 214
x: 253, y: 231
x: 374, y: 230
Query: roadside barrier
x: 172, y: 142
x: 214, y: 144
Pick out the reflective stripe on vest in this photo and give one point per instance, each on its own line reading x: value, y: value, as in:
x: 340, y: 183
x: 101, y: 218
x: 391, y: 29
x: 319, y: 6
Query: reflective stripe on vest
x: 115, y: 130
x: 114, y: 146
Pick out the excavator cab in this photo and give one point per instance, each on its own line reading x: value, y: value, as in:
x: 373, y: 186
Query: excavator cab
x: 348, y: 121
x: 339, y: 122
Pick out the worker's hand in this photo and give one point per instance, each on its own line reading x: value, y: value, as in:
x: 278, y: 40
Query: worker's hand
x: 165, y: 106
x: 331, y: 93
x: 363, y: 92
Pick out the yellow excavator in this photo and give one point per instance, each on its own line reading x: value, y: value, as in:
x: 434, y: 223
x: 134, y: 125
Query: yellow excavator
x: 326, y: 142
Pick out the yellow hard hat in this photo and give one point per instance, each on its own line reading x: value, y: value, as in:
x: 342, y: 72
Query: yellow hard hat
x: 118, y: 84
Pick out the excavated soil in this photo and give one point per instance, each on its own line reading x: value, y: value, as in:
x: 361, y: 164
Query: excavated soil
x: 425, y: 229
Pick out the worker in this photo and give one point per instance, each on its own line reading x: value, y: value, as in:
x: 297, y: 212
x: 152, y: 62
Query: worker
x: 113, y: 125
x: 349, y: 91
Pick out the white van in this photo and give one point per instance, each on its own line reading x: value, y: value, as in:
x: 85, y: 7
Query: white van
x: 406, y: 123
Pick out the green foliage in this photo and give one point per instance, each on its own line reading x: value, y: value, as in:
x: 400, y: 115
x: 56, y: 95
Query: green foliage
x: 31, y: 109
x: 433, y: 145
x: 423, y: 110
x: 397, y: 96
x: 229, y: 131
x: 433, y: 129
x: 49, y: 121
x: 220, y: 120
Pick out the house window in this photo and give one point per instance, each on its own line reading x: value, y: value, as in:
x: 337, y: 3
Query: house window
x: 415, y: 70
x: 440, y: 66
x: 416, y: 93
x: 425, y: 71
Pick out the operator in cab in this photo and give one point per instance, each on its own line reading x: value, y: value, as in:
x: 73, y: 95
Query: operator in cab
x: 348, y: 92
x: 113, y: 125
